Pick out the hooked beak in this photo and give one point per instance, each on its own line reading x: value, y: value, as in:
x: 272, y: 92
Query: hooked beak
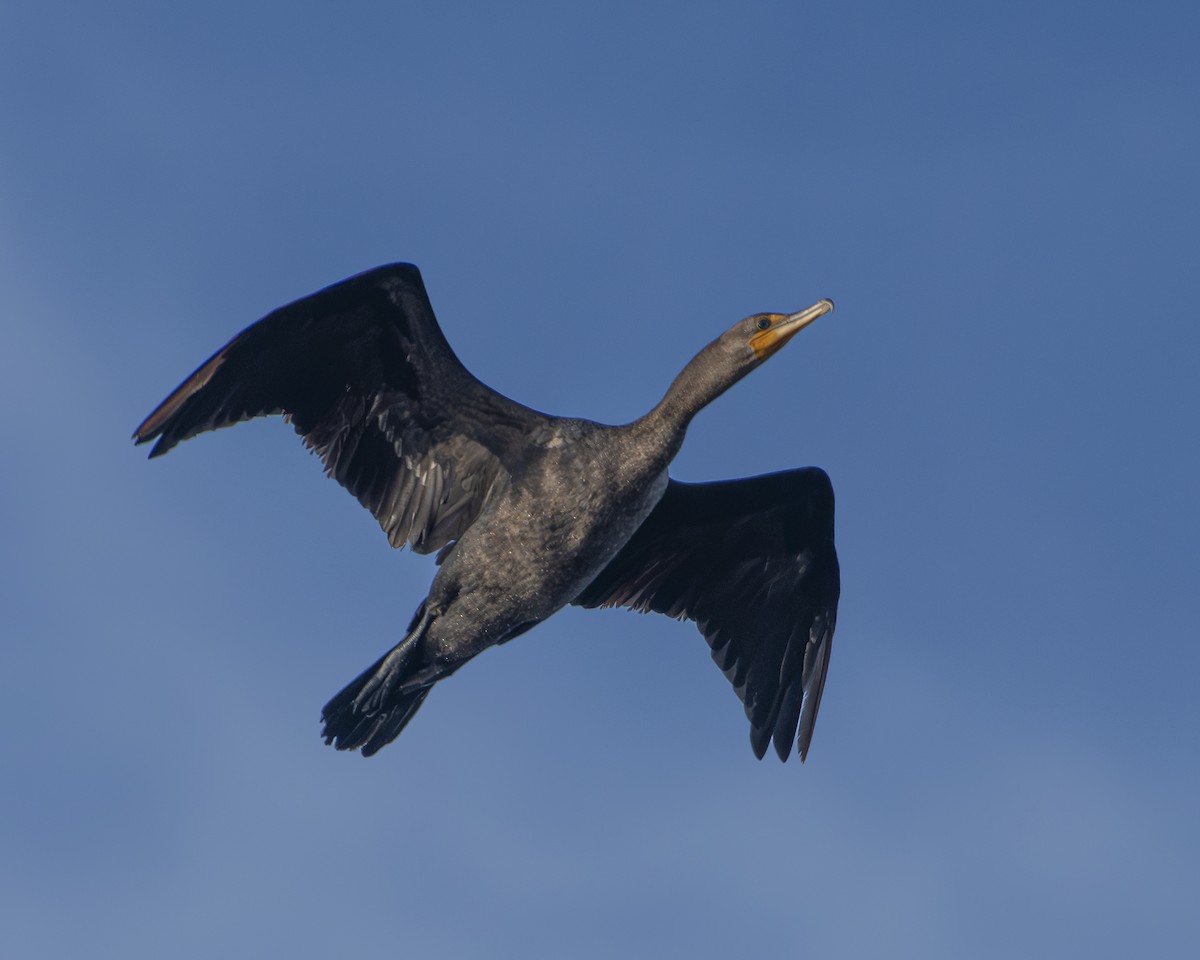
x: 785, y: 326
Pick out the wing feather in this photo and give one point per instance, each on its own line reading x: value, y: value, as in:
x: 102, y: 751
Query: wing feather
x: 366, y: 377
x: 753, y: 563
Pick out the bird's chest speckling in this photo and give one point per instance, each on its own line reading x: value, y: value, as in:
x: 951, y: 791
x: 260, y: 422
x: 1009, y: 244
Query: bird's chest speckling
x: 576, y: 505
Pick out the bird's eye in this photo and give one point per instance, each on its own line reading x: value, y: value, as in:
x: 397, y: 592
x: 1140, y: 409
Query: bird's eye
x: 764, y: 323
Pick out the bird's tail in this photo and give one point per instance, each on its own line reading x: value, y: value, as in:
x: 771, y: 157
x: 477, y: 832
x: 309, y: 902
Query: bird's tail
x: 372, y: 710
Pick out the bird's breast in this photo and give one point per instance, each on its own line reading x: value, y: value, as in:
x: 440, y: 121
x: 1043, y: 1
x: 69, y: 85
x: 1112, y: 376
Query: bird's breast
x: 558, y: 525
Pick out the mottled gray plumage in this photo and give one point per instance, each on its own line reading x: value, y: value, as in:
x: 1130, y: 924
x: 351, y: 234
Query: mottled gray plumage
x: 530, y: 512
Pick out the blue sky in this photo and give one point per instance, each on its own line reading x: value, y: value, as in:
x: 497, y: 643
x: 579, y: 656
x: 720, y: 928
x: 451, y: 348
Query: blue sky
x: 1001, y: 198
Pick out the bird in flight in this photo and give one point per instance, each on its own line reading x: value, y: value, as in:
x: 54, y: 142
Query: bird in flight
x: 528, y: 512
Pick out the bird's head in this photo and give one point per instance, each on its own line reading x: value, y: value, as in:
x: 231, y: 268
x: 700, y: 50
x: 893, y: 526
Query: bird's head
x: 740, y: 349
x: 752, y: 341
x: 766, y: 333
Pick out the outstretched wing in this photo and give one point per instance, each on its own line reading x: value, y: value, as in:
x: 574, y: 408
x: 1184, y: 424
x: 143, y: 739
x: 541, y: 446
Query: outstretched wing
x: 752, y: 562
x: 364, y: 374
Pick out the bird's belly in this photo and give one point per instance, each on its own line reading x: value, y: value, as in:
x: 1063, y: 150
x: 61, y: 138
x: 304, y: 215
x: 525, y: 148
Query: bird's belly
x: 531, y: 557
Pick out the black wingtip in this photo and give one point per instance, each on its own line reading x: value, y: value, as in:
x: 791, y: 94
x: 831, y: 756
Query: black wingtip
x: 783, y: 748
x: 159, y: 448
x: 759, y: 741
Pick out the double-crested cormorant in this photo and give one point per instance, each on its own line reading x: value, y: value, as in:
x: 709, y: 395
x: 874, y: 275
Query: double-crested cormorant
x: 530, y: 512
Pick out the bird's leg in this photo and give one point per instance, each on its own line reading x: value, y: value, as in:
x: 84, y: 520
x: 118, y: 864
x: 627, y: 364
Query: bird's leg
x: 390, y: 670
x: 372, y: 710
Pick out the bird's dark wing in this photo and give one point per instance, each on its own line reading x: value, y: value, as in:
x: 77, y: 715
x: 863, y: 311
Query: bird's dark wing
x: 752, y: 562
x: 366, y: 377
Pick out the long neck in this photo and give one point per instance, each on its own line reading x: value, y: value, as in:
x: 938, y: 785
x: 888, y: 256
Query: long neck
x: 709, y: 374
